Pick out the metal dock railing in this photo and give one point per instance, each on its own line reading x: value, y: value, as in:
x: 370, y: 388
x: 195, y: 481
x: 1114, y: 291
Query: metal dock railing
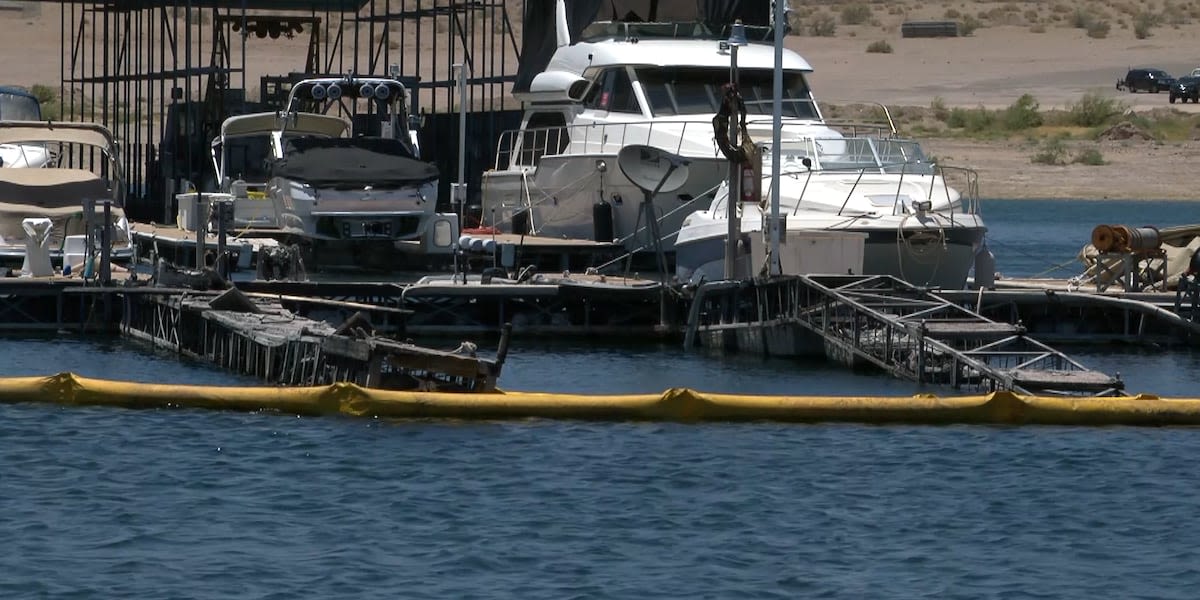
x: 907, y: 331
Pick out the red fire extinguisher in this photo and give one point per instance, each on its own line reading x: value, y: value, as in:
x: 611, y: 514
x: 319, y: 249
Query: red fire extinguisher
x: 752, y: 176
x: 749, y: 184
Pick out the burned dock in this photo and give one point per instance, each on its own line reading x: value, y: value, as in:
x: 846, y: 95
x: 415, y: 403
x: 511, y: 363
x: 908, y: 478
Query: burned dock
x: 260, y: 338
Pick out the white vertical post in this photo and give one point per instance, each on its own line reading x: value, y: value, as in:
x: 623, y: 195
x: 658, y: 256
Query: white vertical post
x: 460, y: 191
x: 780, y: 19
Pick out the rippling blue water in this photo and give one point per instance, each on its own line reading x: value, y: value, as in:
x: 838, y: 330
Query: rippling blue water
x: 110, y: 503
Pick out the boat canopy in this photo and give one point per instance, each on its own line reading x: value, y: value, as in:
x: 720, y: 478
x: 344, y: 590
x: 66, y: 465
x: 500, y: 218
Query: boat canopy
x: 26, y: 132
x: 352, y: 162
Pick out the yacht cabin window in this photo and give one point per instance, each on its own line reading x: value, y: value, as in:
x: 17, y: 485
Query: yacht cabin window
x: 697, y: 90
x: 612, y: 90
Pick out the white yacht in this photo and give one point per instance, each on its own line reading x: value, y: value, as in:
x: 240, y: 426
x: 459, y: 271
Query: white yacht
x: 55, y: 196
x: 655, y: 84
x: 919, y: 222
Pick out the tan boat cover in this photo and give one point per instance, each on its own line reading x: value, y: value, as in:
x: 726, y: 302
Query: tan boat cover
x: 56, y: 194
x: 24, y: 132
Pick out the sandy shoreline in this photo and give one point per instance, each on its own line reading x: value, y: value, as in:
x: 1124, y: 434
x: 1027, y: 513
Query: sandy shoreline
x: 991, y: 68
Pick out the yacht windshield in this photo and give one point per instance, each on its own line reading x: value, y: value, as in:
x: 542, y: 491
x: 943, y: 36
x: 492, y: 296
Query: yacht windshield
x: 19, y: 107
x: 871, y: 155
x: 697, y: 90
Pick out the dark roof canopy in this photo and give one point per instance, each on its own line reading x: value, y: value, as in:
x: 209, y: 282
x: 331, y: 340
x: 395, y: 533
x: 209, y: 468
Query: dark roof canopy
x: 307, y: 5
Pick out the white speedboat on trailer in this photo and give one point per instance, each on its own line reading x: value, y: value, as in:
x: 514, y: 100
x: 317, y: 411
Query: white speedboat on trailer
x: 919, y: 221
x: 52, y: 199
x: 620, y: 84
x: 343, y: 168
x: 17, y: 104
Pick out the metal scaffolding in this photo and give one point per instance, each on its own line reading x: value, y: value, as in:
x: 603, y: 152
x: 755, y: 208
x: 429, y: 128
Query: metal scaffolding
x: 163, y: 74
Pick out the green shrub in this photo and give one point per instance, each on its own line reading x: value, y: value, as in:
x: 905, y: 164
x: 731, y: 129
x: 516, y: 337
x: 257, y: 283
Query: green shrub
x: 1089, y: 156
x: 1052, y: 152
x: 856, y: 14
x: 822, y: 25
x: 1094, y: 110
x: 44, y: 93
x: 1143, y: 22
x: 1082, y: 19
x: 48, y: 97
x: 973, y: 120
x: 968, y: 25
x: 880, y: 47
x: 1022, y: 114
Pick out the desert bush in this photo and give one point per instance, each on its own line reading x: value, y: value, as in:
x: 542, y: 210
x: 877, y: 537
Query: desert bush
x: 952, y: 14
x: 1032, y: 16
x: 1143, y: 23
x: 1052, y: 152
x: 1089, y: 156
x: 48, y: 97
x: 1037, y: 28
x: 822, y: 25
x: 972, y: 120
x: 879, y: 47
x: 1093, y: 110
x: 856, y: 14
x: 1098, y: 29
x: 1081, y: 18
x: 968, y: 25
x: 938, y: 107
x: 1022, y: 114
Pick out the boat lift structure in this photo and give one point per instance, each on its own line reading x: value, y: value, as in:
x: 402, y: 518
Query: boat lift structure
x: 910, y: 332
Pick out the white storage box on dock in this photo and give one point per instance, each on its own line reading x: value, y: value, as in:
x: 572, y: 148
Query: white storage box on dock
x: 188, y: 217
x: 814, y: 252
x: 74, y: 250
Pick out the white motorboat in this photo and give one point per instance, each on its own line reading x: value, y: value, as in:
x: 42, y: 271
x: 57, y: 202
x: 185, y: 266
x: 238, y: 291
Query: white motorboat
x: 920, y: 221
x: 620, y: 84
x: 342, y: 168
x: 242, y: 155
x: 19, y: 105
x: 56, y: 196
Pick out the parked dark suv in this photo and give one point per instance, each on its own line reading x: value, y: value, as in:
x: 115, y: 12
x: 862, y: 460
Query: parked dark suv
x: 1146, y: 80
x: 1186, y: 88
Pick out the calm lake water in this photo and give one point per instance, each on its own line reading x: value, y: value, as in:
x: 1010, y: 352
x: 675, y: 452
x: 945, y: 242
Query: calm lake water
x: 110, y: 503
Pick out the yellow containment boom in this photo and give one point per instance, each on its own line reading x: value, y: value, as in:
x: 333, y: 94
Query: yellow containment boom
x: 675, y: 404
